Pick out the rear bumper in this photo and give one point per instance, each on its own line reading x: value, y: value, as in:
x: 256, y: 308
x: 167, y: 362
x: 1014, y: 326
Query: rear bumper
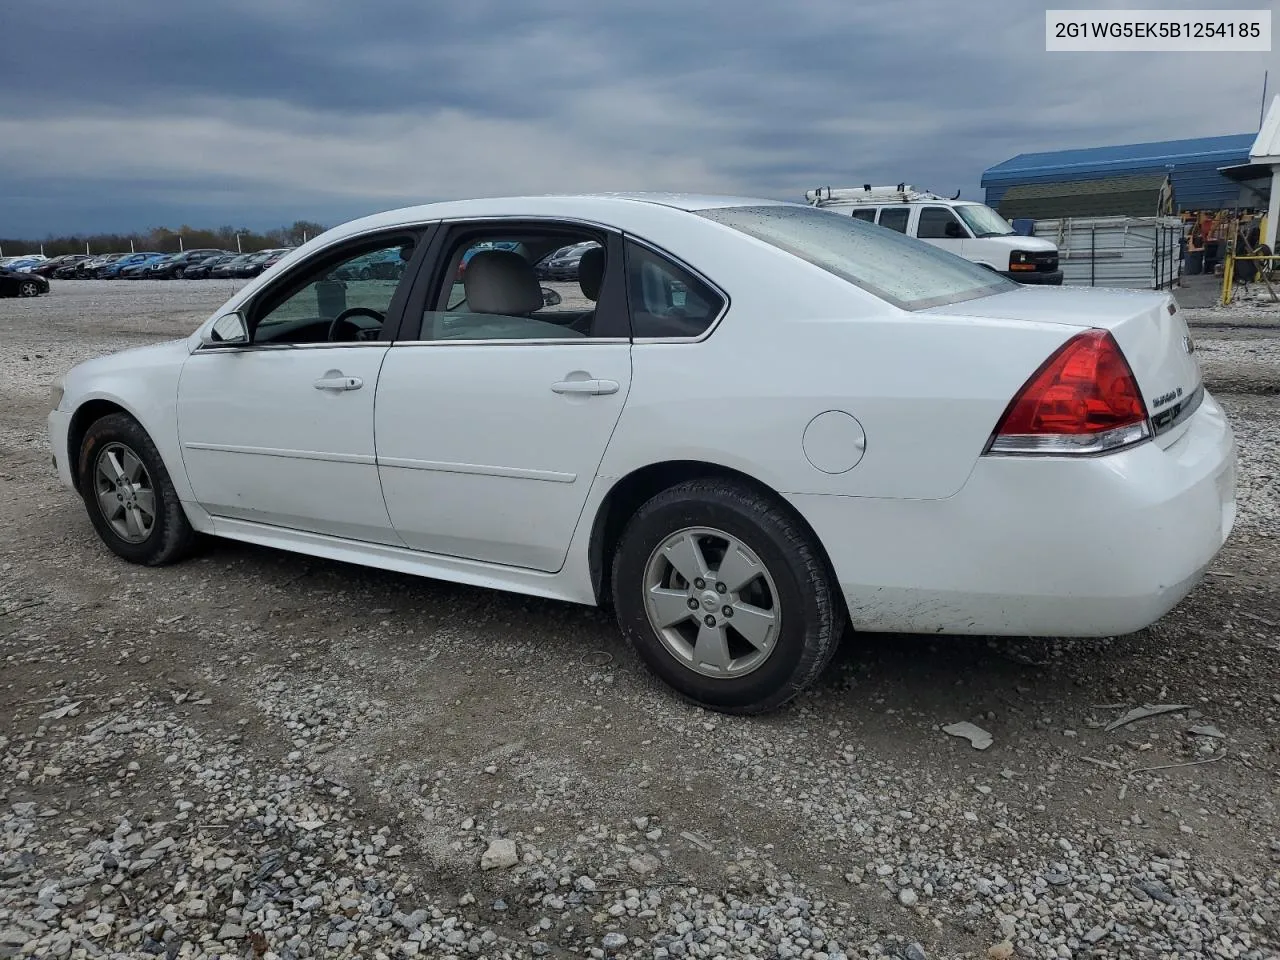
x: 1035, y: 277
x: 1039, y: 546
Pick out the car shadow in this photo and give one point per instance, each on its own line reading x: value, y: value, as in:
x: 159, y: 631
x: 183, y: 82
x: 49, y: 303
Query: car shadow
x: 950, y: 677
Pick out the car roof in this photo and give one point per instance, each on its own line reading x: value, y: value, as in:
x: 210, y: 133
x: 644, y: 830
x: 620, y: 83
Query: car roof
x: 611, y: 208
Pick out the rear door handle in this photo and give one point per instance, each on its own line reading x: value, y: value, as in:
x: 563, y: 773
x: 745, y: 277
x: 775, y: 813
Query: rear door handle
x: 594, y: 388
x: 338, y: 383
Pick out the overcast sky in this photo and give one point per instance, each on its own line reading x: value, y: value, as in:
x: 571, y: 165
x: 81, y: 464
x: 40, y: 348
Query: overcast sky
x: 260, y: 112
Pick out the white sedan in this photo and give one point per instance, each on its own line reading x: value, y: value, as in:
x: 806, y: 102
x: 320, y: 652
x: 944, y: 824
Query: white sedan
x: 747, y: 426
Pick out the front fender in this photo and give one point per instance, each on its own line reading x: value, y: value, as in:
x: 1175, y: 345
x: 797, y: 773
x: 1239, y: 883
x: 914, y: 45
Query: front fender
x: 144, y: 384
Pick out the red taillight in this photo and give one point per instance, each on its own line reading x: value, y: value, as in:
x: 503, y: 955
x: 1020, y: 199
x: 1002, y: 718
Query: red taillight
x: 1083, y: 399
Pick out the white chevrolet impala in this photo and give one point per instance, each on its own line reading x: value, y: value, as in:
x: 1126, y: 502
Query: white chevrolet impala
x: 752, y: 424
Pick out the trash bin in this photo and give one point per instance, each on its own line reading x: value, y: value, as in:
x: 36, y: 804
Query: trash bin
x: 1194, y: 263
x: 331, y: 298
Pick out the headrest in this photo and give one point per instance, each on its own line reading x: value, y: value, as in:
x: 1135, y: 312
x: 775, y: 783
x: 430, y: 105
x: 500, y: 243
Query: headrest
x: 501, y: 282
x: 591, y: 272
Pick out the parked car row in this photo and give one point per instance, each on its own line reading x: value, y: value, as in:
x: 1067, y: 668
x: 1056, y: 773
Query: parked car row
x: 147, y: 265
x: 379, y: 265
x: 22, y: 264
x: 563, y: 264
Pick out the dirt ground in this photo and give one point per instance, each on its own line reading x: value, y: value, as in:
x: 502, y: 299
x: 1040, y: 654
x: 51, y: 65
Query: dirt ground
x: 265, y: 755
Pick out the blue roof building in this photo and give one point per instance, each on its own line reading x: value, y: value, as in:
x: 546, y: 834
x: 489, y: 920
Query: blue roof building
x: 1194, y: 166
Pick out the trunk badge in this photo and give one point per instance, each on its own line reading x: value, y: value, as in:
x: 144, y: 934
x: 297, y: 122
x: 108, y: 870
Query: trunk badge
x: 1188, y: 345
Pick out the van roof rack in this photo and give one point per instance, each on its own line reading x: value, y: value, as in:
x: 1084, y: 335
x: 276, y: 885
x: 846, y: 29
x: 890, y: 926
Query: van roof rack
x: 903, y: 192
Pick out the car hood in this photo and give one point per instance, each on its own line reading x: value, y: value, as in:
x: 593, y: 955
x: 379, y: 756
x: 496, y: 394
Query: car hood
x: 1015, y: 241
x: 83, y: 376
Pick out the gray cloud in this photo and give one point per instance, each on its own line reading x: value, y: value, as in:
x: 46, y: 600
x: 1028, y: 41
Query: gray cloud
x: 257, y: 111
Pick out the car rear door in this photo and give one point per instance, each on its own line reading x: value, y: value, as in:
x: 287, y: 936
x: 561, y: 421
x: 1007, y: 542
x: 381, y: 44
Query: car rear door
x: 491, y: 424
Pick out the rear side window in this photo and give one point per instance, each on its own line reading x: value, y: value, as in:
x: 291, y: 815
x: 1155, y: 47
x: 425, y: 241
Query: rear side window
x: 895, y: 218
x: 901, y: 270
x: 667, y: 300
x: 867, y: 213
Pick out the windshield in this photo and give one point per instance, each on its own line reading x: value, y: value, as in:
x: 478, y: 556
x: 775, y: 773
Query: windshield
x: 983, y: 221
x: 904, y: 271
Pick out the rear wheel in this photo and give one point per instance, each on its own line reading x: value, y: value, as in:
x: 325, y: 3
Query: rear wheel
x: 129, y: 495
x: 725, y: 596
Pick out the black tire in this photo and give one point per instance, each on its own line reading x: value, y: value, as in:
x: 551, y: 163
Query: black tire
x: 812, y: 619
x: 171, y: 536
x: 28, y: 288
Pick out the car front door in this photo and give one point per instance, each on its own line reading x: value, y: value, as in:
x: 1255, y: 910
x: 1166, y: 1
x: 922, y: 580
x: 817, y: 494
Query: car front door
x: 494, y: 409
x: 279, y: 430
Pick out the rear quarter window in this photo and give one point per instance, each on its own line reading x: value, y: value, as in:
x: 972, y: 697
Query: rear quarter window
x: 903, y: 271
x: 667, y: 301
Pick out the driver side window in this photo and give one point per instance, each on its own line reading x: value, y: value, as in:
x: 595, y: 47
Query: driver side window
x: 342, y: 297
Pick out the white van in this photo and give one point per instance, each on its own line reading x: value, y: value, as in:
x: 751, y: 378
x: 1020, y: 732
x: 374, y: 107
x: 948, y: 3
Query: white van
x: 968, y: 229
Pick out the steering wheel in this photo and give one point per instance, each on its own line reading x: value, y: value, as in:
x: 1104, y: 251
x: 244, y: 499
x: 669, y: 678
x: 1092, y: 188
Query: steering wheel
x: 345, y: 316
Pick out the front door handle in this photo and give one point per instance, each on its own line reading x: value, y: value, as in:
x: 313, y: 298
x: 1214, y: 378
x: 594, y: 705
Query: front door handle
x: 595, y: 388
x: 338, y: 383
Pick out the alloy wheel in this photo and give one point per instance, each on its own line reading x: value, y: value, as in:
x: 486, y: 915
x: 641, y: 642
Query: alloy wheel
x: 712, y: 602
x: 28, y: 289
x: 125, y: 493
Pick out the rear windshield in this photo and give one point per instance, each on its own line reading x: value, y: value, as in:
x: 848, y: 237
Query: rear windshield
x: 904, y: 271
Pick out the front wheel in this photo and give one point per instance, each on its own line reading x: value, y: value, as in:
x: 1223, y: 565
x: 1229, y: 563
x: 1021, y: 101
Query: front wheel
x: 129, y: 495
x: 28, y: 288
x: 725, y: 596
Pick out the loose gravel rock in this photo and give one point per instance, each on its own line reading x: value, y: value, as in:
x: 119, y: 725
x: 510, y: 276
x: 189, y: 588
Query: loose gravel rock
x: 260, y: 755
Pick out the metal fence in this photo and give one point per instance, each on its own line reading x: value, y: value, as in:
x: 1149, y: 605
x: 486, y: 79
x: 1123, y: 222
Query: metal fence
x: 1143, y: 252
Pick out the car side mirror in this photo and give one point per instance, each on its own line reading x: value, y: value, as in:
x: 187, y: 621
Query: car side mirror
x: 229, y: 330
x: 953, y: 231
x: 550, y: 298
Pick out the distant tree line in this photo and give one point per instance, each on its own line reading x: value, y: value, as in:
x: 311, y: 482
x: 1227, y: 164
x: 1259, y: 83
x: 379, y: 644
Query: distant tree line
x: 165, y: 240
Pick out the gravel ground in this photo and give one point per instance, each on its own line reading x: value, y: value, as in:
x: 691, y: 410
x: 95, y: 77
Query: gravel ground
x: 255, y: 754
